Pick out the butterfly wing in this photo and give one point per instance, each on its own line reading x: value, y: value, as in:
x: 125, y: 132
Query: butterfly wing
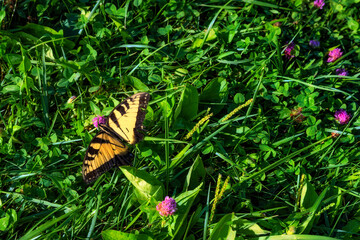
x: 104, y: 153
x: 127, y: 118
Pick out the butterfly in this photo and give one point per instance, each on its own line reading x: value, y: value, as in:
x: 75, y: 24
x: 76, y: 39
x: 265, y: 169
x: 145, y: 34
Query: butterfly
x: 107, y: 149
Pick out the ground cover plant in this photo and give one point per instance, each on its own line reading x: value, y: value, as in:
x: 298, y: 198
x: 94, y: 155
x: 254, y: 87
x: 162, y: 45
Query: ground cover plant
x: 251, y: 131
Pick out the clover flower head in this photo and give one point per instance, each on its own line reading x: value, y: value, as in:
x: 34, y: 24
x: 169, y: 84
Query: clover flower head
x: 98, y: 120
x: 277, y: 24
x: 314, y: 43
x: 342, y: 116
x: 335, y: 134
x: 289, y: 49
x: 167, y: 207
x: 319, y: 4
x: 334, y: 54
x: 341, y: 72
x: 71, y: 99
x: 296, y: 115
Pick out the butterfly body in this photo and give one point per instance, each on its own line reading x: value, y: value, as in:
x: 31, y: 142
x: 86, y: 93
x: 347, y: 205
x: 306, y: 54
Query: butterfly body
x: 107, y: 150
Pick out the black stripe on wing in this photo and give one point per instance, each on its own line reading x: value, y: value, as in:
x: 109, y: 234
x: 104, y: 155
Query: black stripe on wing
x: 104, y: 152
x: 114, y: 162
x: 143, y: 102
x: 125, y: 106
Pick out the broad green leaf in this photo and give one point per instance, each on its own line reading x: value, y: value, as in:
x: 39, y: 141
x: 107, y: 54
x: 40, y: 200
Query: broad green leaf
x: 199, y: 41
x: 13, y: 58
x: 178, y: 158
x: 311, y: 131
x: 166, y: 107
x: 296, y: 237
x: 35, y: 31
x: 215, y: 92
x: 112, y: 10
x: 181, y: 72
x: 239, y: 98
x: 184, y: 203
x: 194, y: 218
x: 2, y: 14
x: 107, y: 110
x: 353, y: 226
x: 265, y: 148
x: 307, y: 225
x: 94, y: 89
x: 308, y: 195
x: 154, y: 78
x: 49, y: 53
x: 135, y: 83
x: 188, y: 104
x: 4, y: 222
x: 10, y: 88
x: 90, y: 52
x: 113, y: 234
x: 249, y: 228
x: 164, y: 31
x: 212, y: 35
x: 195, y: 175
x: 145, y: 185
x: 40, y: 29
x: 149, y: 117
x: 9, y: 219
x: 208, y: 148
x: 224, y: 229
x: 352, y: 24
x: 150, y: 209
x: 63, y: 82
x: 137, y: 3
x: 71, y: 65
x: 94, y: 108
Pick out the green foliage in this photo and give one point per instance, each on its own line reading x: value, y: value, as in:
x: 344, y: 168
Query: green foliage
x: 293, y: 168
x: 112, y: 234
x: 223, y: 229
x: 188, y: 103
x: 145, y: 186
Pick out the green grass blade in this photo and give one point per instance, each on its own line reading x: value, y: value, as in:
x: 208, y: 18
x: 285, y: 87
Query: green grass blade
x: 32, y: 234
x: 281, y: 161
x: 207, y: 214
x: 93, y: 221
x: 295, y: 237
